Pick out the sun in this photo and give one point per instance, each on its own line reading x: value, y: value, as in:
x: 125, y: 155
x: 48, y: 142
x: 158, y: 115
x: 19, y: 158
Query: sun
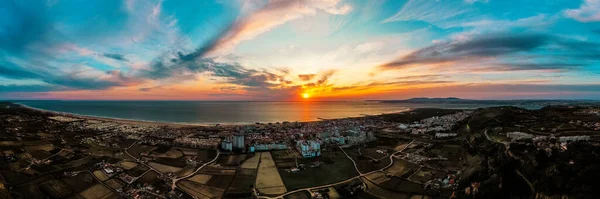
x: 305, y: 95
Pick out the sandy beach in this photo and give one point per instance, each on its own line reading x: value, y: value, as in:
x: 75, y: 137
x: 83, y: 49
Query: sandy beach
x: 173, y: 124
x: 120, y: 120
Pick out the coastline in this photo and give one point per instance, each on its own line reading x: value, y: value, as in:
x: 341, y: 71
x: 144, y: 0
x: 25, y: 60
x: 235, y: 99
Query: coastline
x: 121, y: 120
x: 181, y: 125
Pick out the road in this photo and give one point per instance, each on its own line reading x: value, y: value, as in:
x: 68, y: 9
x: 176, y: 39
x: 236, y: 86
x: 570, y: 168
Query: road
x: 173, y: 185
x: 509, y: 154
x: 345, y: 181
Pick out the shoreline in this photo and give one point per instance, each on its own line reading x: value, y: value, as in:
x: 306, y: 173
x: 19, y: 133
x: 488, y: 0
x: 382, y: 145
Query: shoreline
x: 118, y: 120
x: 182, y: 125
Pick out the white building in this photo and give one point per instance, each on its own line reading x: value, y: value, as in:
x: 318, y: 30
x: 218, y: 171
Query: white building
x: 574, y: 138
x: 519, y: 135
x: 309, y: 148
x: 226, y: 145
x: 445, y: 135
x: 238, y: 141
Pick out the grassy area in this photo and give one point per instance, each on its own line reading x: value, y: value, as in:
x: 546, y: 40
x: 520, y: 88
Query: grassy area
x: 200, y: 178
x: 56, y: 189
x: 337, y: 167
x: 268, y: 180
x: 198, y: 190
x: 251, y: 163
x: 242, y: 184
x: 401, y: 168
x: 164, y: 168
x: 98, y: 191
x: 298, y: 195
x: 231, y: 160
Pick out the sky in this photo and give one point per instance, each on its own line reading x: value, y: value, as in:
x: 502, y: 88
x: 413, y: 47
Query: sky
x: 291, y: 49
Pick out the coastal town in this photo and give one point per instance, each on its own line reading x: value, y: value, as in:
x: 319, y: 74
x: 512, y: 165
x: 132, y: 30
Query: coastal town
x: 497, y: 152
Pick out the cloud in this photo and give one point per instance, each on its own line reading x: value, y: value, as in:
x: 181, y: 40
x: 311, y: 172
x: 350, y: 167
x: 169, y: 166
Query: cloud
x: 23, y: 28
x: 497, y: 91
x: 306, y: 77
x: 118, y: 57
x: 482, y: 46
x: 232, y: 73
x: 12, y: 71
x: 589, y: 11
x: 28, y: 88
x: 438, y: 13
x: 271, y: 15
x: 421, y: 77
x: 81, y: 77
x: 504, y: 52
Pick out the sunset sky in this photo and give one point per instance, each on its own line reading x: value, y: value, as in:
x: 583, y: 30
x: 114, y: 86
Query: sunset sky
x: 283, y: 50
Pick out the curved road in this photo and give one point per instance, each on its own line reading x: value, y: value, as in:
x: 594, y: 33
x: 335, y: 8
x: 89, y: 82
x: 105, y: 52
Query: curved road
x: 173, y: 185
x: 342, y: 182
x: 509, y: 154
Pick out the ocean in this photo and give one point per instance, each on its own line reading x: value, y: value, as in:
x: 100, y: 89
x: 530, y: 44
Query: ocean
x: 230, y: 112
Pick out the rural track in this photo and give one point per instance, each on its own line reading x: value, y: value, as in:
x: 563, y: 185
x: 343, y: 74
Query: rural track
x: 341, y: 182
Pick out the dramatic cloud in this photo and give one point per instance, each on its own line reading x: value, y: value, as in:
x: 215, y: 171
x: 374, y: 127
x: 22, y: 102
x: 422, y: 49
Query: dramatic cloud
x: 77, y: 79
x: 119, y: 57
x: 23, y: 28
x: 12, y: 71
x: 273, y: 14
x: 588, y: 12
x: 28, y: 88
x: 278, y: 49
x: 439, y: 13
x: 498, y: 46
x: 306, y: 77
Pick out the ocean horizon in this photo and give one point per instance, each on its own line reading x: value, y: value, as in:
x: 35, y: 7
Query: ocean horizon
x: 230, y: 112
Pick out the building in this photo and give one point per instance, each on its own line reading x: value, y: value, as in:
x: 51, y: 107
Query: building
x: 540, y: 138
x: 309, y: 148
x: 574, y: 138
x: 445, y: 135
x: 519, y: 135
x: 226, y: 145
x: 269, y: 146
x: 238, y: 141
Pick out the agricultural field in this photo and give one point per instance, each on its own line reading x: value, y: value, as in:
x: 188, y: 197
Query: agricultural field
x: 403, y: 185
x: 100, y: 175
x: 172, y: 153
x: 268, y: 180
x: 115, y: 183
x: 205, y: 155
x: 56, y: 189
x: 366, y: 163
x: 151, y: 177
x: 299, y: 195
x: 137, y: 171
x: 220, y: 181
x: 127, y: 164
x: 139, y: 148
x: 185, y: 171
x: 423, y: 175
x: 242, y: 183
x: 80, y: 182
x: 164, y: 168
x: 402, y: 168
x: 198, y: 190
x: 98, y: 191
x: 231, y: 160
x: 377, y: 177
x: 336, y: 167
x: 379, y: 192
x: 251, y: 163
x: 200, y: 178
x: 286, y: 159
